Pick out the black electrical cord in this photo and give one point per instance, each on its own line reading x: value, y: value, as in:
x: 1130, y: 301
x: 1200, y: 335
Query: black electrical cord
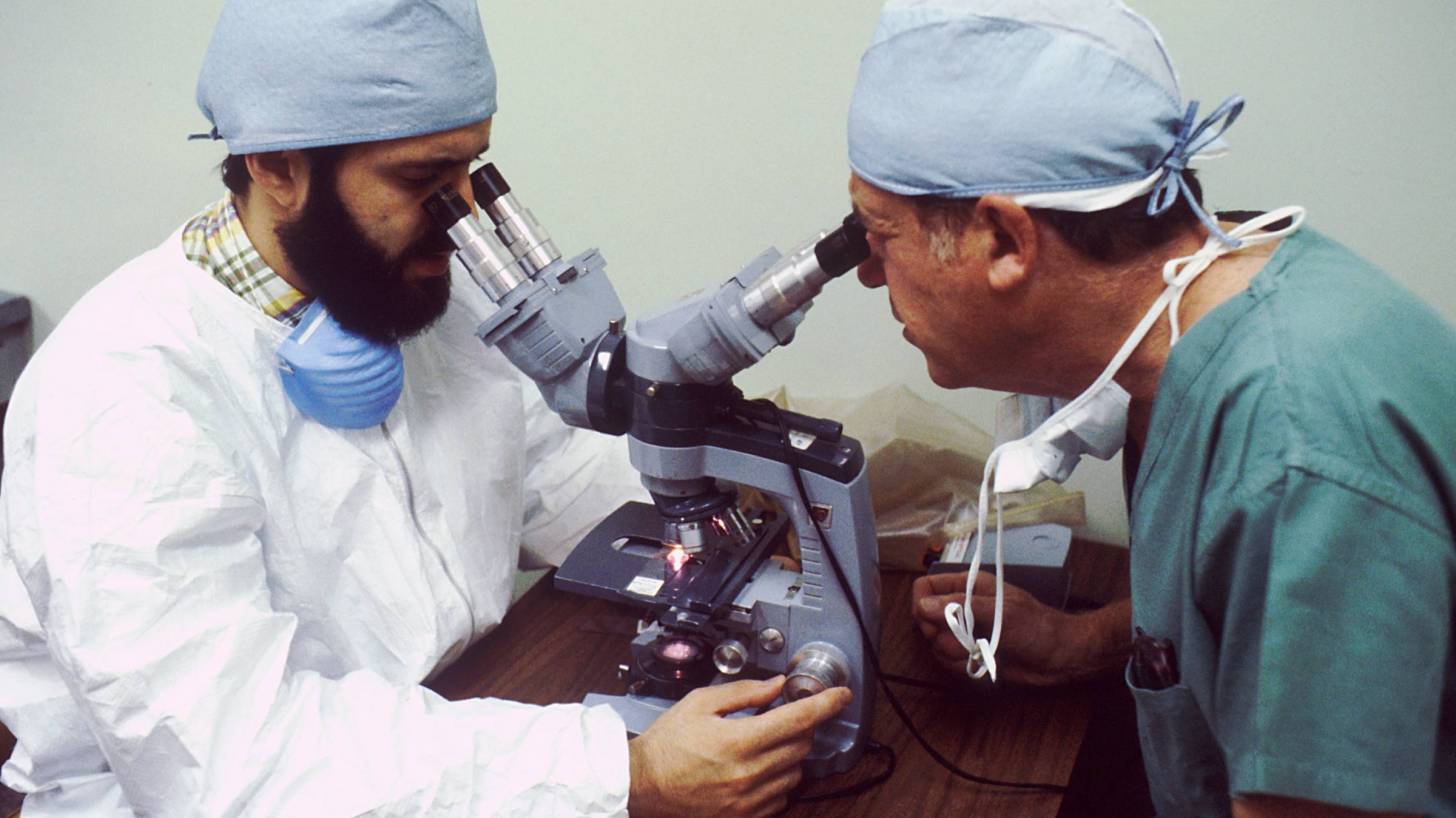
x: 791, y: 455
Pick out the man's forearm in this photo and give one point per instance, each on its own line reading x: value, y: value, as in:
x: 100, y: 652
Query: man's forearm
x: 1271, y: 806
x: 1099, y: 643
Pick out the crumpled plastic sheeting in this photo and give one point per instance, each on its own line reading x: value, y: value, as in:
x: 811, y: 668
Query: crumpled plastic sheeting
x: 925, y: 467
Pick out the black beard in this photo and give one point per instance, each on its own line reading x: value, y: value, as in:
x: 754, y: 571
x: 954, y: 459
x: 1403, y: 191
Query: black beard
x: 363, y: 287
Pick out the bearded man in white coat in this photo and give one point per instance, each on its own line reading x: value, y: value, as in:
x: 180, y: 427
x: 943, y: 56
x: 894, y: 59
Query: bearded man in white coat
x: 225, y: 581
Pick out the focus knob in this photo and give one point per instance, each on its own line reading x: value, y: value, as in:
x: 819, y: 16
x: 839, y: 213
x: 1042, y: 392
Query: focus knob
x: 730, y: 657
x: 817, y: 667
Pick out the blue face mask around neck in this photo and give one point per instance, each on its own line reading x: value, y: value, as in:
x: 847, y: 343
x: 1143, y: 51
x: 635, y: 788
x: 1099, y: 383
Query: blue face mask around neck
x: 338, y: 378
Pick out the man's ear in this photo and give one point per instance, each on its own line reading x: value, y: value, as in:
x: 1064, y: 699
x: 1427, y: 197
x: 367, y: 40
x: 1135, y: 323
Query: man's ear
x: 1013, y: 248
x: 282, y: 176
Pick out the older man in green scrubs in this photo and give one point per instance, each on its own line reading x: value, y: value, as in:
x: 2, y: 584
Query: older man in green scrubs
x: 1288, y: 411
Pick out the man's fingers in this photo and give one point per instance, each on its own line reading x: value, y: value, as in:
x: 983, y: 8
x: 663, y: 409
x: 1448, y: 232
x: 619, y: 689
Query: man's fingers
x: 948, y: 648
x: 781, y: 771
x: 734, y: 696
x: 935, y: 591
x: 954, y: 666
x: 788, y: 755
x: 935, y: 584
x: 790, y: 720
x: 772, y: 807
x: 787, y: 562
x: 984, y: 609
x: 931, y: 609
x: 938, y: 584
x: 776, y: 791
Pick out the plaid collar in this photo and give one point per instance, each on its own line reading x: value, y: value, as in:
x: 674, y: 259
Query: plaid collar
x: 215, y: 241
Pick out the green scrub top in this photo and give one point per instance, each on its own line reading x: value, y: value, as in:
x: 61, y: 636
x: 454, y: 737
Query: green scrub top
x: 1292, y: 524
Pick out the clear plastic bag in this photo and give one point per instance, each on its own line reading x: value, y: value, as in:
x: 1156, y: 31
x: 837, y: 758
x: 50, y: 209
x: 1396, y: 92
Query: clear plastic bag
x: 925, y: 467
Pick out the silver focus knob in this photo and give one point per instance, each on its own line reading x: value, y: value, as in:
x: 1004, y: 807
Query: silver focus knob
x: 730, y: 657
x: 817, y: 667
x: 770, y: 640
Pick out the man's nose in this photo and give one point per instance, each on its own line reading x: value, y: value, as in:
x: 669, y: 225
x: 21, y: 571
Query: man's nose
x: 461, y: 183
x: 872, y: 272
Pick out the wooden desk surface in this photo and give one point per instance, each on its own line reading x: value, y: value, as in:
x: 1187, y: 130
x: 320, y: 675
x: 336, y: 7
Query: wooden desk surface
x: 556, y: 647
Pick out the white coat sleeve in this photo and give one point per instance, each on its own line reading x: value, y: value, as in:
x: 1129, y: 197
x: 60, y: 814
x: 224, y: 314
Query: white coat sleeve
x: 574, y: 478
x: 139, y: 550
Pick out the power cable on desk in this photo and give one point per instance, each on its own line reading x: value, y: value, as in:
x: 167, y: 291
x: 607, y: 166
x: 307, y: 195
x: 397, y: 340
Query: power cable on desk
x: 791, y: 455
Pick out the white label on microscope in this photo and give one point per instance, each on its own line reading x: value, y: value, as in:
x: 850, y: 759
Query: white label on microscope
x: 644, y: 586
x: 801, y: 440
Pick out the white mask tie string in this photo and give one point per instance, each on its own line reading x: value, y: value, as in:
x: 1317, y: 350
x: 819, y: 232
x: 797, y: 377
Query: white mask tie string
x: 1178, y: 275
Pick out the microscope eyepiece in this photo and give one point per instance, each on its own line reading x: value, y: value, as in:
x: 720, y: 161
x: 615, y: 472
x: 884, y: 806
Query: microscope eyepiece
x: 844, y: 249
x: 518, y: 228
x: 488, y: 184
x: 795, y: 279
x: 489, y: 263
x: 446, y: 207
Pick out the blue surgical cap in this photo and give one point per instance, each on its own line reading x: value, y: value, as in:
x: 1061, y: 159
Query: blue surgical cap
x: 1063, y: 104
x: 283, y: 74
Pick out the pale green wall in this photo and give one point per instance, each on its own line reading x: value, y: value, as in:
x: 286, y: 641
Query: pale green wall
x: 683, y: 137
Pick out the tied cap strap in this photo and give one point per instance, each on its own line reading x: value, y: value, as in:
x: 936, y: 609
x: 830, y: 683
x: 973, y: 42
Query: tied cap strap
x: 1193, y: 140
x: 212, y: 134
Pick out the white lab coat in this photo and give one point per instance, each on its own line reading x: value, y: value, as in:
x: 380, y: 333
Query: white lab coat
x: 212, y: 606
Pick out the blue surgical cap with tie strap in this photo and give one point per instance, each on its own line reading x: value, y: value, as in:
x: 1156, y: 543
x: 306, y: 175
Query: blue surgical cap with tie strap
x: 1193, y: 137
x: 1060, y: 104
x: 282, y: 74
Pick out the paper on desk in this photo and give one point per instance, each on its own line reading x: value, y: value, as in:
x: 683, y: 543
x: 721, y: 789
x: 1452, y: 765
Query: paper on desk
x: 925, y: 462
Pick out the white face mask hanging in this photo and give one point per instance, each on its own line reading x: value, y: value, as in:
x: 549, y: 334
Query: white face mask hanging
x: 1095, y: 423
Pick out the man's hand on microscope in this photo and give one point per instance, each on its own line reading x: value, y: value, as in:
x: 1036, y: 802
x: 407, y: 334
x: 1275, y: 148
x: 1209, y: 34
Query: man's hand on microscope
x: 693, y: 761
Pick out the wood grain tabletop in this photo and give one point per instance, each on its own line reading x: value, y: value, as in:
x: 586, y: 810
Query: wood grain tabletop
x: 556, y: 647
